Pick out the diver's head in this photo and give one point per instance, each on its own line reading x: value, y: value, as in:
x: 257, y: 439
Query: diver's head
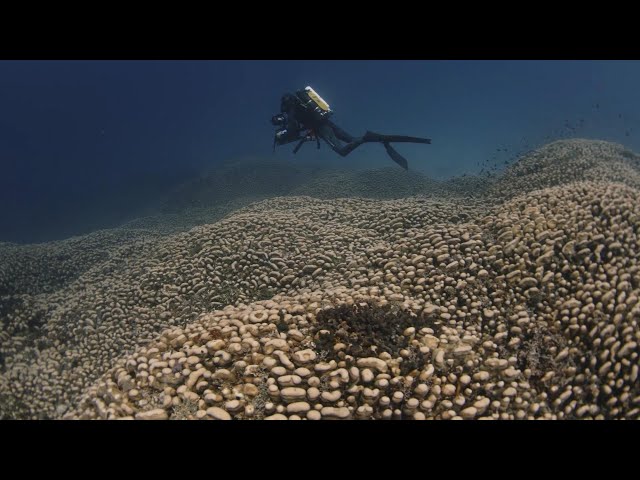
x: 288, y: 102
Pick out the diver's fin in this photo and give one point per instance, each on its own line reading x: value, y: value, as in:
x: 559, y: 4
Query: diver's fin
x: 377, y: 137
x: 396, y: 157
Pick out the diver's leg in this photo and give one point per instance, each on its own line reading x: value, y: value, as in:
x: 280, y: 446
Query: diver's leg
x: 340, y: 133
x: 328, y: 134
x: 349, y: 147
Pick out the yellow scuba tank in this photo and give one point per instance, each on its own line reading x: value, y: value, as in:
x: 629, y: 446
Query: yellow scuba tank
x: 314, y: 103
x: 319, y: 101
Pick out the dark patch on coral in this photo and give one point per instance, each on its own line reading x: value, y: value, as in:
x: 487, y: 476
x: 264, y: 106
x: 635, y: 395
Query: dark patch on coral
x: 368, y: 330
x: 8, y: 304
x: 282, y: 326
x: 264, y: 293
x: 535, y: 354
x: 36, y: 320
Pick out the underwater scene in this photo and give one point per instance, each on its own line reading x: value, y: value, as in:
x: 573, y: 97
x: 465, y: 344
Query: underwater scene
x: 319, y: 239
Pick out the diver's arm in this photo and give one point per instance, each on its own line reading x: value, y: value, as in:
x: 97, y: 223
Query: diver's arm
x: 284, y: 136
x: 292, y: 124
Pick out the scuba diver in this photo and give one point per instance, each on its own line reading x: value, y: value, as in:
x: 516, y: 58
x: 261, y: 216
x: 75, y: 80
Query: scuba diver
x: 305, y: 116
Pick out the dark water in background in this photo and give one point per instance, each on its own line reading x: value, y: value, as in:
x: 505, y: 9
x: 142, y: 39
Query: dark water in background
x: 89, y: 144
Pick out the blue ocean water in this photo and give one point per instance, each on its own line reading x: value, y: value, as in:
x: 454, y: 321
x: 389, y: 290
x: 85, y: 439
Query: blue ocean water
x: 85, y: 144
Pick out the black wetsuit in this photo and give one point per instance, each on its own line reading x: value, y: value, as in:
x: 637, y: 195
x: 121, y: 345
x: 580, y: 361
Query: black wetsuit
x: 299, y: 118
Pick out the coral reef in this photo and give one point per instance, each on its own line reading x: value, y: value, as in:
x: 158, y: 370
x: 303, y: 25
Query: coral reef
x: 518, y: 302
